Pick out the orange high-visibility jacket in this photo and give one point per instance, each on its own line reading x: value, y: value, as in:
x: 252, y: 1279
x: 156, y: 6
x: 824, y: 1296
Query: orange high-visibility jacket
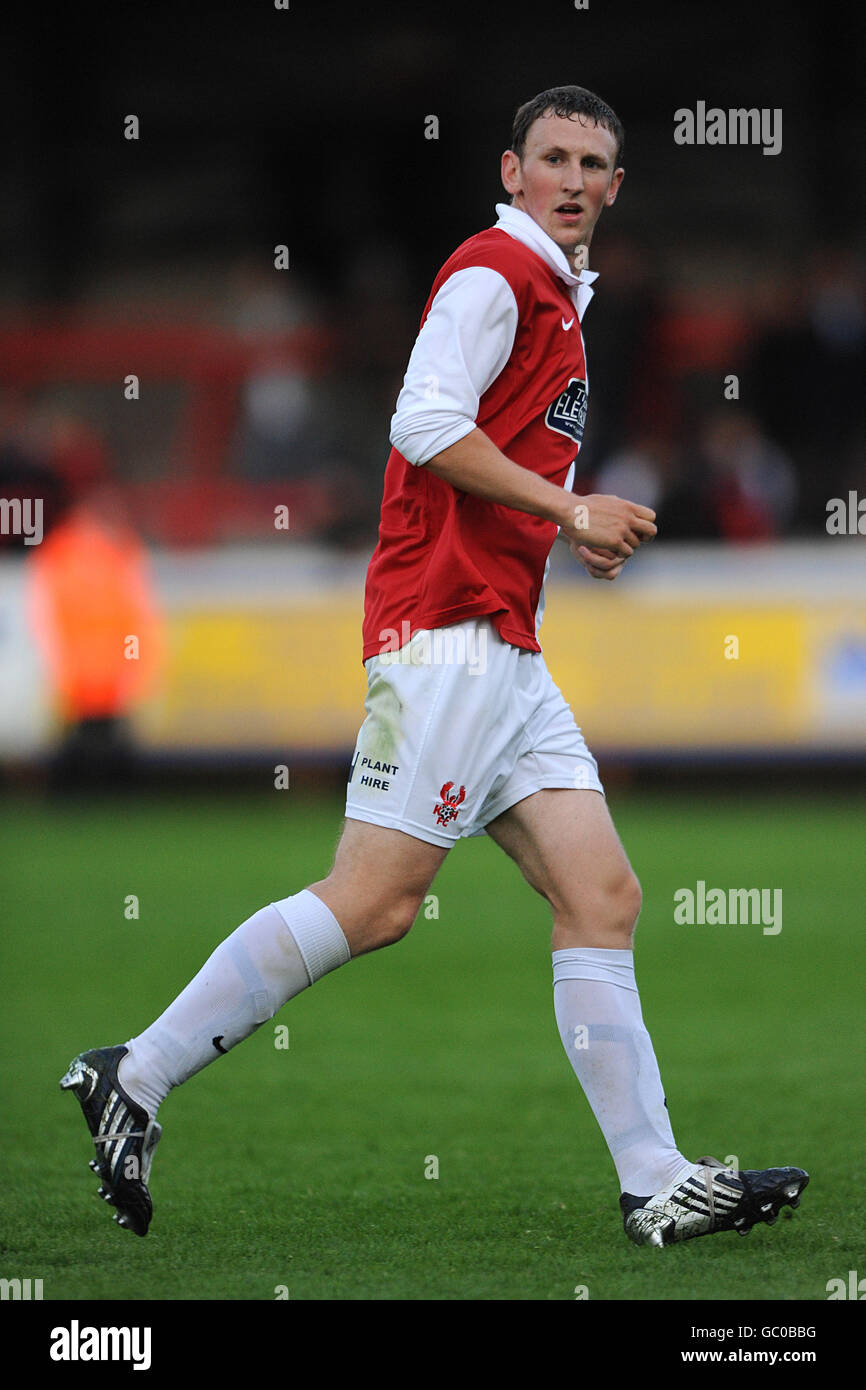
x: 95, y: 616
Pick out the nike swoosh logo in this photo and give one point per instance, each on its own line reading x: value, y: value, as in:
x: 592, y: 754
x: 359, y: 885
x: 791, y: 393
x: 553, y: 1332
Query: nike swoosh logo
x: 216, y: 1042
x: 568, y: 325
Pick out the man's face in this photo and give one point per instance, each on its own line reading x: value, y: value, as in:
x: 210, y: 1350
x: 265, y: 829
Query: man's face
x: 565, y: 178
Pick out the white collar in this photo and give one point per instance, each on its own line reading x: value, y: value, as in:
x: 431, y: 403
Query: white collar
x: 522, y: 227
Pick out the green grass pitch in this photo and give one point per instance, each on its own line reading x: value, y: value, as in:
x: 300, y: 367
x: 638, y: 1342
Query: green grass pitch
x: 302, y: 1169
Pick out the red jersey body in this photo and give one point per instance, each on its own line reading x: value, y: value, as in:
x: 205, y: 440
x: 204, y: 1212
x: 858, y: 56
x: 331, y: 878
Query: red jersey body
x: 444, y: 556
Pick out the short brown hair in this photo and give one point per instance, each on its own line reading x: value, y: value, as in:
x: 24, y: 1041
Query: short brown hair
x: 566, y: 101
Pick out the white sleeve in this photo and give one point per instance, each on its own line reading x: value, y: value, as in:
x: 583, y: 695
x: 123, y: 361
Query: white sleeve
x: 464, y: 343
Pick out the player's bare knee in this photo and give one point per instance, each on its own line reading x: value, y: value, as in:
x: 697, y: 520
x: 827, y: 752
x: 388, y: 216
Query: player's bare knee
x: 608, y: 914
x: 397, y: 918
x: 631, y: 900
x: 619, y: 908
x: 618, y: 904
x: 370, y: 915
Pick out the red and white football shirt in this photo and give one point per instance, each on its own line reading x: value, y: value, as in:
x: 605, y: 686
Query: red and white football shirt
x: 500, y: 348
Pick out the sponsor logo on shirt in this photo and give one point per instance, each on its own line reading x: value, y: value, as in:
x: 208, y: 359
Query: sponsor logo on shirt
x: 567, y: 414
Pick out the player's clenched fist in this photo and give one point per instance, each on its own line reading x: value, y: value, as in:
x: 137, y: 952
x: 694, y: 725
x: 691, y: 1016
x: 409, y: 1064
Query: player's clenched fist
x: 600, y: 523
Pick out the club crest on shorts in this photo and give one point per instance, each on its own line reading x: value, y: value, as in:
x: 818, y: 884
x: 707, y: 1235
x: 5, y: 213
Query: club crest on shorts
x: 446, y: 810
x: 567, y: 414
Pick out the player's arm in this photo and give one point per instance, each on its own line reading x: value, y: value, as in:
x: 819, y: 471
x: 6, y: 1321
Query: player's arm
x: 596, y: 523
x: 463, y: 345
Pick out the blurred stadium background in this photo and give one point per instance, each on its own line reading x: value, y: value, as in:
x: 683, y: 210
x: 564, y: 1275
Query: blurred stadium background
x: 261, y: 389
x: 736, y: 645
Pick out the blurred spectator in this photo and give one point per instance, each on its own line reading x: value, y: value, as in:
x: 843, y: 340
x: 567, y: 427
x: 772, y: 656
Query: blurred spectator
x: 638, y: 472
x: 292, y: 426
x: 630, y: 389
x: 378, y: 327
x: 750, y: 482
x: 809, y: 372
x: 95, y: 618
x: 276, y: 432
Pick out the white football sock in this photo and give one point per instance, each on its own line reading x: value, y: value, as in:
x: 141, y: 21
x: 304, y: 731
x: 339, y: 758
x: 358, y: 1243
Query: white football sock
x: 269, y: 959
x: 602, y: 1029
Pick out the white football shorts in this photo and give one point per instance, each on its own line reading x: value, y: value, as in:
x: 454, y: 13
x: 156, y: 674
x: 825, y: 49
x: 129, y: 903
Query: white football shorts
x: 461, y: 725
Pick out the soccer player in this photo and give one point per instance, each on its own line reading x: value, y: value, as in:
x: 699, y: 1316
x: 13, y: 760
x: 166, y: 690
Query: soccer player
x: 465, y: 731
